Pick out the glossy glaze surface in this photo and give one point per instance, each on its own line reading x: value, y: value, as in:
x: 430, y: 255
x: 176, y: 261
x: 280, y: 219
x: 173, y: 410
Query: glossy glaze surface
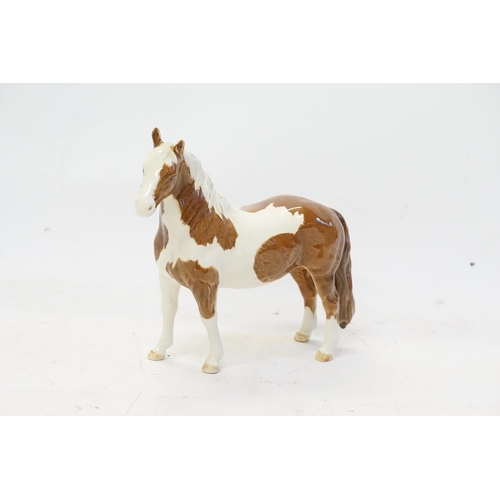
x: 203, y: 243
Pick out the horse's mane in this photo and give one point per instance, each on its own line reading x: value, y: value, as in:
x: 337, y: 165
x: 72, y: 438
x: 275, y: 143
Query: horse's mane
x: 202, y: 181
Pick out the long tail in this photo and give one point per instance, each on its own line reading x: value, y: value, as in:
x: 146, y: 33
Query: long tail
x: 343, y: 280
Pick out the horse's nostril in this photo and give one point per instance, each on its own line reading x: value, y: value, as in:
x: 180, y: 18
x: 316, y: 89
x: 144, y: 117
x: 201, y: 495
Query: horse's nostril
x: 150, y: 207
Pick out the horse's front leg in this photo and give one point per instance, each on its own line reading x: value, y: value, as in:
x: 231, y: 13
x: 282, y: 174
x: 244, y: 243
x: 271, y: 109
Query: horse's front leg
x: 170, y: 294
x: 204, y: 289
x: 211, y: 364
x: 203, y: 283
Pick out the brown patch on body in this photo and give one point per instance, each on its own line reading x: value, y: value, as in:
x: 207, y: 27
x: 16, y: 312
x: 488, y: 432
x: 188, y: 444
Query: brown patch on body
x: 318, y: 233
x: 276, y: 257
x: 318, y: 246
x: 203, y: 283
x: 204, y: 223
x: 161, y: 238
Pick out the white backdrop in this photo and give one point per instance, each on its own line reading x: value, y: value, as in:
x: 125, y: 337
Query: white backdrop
x: 413, y: 168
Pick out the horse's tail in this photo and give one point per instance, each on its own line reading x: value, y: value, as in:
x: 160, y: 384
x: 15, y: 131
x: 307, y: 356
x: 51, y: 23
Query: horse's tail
x: 343, y: 279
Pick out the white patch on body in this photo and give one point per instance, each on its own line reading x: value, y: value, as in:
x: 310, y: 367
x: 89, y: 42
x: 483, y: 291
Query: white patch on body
x: 235, y: 266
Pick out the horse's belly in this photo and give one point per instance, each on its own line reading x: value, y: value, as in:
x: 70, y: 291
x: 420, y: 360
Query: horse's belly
x: 238, y: 272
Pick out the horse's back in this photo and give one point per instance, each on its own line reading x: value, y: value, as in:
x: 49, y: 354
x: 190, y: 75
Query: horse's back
x: 291, y: 203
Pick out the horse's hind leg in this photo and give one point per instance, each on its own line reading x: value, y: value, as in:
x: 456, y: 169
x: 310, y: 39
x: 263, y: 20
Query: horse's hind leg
x: 330, y: 297
x: 308, y: 290
x: 170, y: 293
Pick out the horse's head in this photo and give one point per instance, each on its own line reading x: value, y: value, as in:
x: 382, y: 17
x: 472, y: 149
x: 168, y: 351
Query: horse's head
x: 160, y: 174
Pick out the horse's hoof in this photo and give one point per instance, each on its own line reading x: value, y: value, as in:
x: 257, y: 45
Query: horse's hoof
x: 300, y: 337
x: 210, y: 368
x: 154, y: 356
x: 321, y: 356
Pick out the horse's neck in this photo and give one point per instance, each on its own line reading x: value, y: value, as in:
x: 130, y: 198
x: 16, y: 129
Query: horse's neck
x: 198, y: 205
x: 204, y: 185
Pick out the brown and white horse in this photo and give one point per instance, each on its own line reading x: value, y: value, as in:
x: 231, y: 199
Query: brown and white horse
x: 203, y: 243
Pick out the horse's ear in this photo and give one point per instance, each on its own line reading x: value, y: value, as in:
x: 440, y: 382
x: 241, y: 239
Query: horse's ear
x: 156, y: 137
x: 179, y: 148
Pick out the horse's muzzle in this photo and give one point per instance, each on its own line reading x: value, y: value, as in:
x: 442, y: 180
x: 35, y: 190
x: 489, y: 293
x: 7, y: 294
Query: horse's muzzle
x: 145, y: 207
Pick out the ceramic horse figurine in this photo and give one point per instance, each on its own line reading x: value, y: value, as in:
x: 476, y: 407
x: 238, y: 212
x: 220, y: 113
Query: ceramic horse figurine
x: 203, y: 243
